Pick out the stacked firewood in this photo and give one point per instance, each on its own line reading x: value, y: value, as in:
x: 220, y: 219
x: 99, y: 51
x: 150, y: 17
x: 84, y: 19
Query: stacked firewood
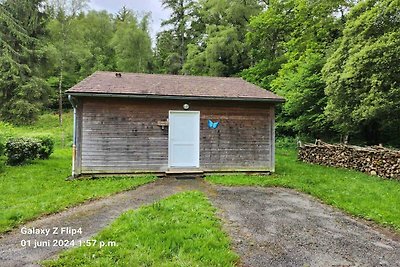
x: 375, y: 160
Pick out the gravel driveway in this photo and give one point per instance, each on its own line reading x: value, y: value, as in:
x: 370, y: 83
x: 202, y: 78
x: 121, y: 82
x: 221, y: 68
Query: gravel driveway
x: 268, y: 227
x: 281, y: 227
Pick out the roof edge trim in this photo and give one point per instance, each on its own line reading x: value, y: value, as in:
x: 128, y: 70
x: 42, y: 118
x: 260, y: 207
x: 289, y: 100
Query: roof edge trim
x: 270, y: 100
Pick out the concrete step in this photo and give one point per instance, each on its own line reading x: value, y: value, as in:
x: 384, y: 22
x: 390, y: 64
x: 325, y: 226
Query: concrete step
x: 184, y: 173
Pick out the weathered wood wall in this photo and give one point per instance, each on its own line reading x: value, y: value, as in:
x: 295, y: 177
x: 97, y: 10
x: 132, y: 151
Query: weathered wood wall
x: 122, y: 135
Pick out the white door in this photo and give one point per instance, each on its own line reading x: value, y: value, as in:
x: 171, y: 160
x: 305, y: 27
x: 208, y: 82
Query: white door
x: 184, y: 139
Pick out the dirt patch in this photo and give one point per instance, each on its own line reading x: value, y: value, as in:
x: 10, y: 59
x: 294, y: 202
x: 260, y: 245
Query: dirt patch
x: 281, y: 227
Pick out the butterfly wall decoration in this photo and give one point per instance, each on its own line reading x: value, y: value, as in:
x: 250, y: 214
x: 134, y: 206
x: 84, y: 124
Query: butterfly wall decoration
x: 213, y: 125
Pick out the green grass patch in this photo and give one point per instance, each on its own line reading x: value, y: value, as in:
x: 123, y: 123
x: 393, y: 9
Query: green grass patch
x: 30, y: 191
x: 181, y: 230
x: 48, y: 125
x: 362, y: 195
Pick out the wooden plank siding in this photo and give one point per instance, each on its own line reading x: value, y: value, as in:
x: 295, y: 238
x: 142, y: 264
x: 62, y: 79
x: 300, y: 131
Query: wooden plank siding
x: 122, y: 136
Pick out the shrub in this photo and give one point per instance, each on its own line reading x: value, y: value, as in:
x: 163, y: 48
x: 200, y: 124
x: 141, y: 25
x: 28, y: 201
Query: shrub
x: 21, y: 150
x: 46, y: 147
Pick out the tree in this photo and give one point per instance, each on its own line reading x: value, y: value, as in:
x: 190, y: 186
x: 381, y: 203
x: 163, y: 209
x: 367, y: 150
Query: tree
x: 220, y: 49
x: 182, y: 12
x: 362, y: 75
x: 65, y: 12
x: 124, y: 14
x: 98, y: 29
x: 132, y: 44
x: 83, y: 49
x: 290, y: 41
x: 167, y: 60
x: 266, y: 37
x: 24, y: 92
x: 221, y: 56
x: 300, y: 82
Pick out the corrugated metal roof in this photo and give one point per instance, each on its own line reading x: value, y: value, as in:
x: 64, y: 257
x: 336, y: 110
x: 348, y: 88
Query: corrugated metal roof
x: 171, y: 86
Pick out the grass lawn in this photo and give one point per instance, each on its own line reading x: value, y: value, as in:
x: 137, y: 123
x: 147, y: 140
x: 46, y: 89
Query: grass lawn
x: 357, y: 193
x: 40, y: 188
x: 181, y: 230
x: 32, y: 190
x: 47, y: 124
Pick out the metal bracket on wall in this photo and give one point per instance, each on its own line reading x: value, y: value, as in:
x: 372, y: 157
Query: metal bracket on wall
x: 163, y: 124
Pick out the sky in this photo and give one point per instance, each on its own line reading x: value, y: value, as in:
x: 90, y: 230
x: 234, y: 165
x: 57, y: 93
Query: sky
x: 158, y: 13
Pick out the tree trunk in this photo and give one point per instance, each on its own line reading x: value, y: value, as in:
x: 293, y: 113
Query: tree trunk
x: 60, y: 102
x: 60, y: 83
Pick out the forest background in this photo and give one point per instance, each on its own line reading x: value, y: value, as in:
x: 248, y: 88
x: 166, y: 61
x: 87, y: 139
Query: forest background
x: 336, y: 62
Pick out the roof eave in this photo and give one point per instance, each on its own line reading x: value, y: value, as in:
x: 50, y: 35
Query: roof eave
x: 171, y: 97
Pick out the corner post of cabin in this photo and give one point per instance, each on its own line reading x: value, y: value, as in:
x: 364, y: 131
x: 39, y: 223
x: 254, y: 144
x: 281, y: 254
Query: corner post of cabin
x: 73, y: 102
x: 272, y: 114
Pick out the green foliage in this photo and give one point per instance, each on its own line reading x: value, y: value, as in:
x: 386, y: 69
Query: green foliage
x: 2, y: 146
x: 362, y: 74
x: 219, y: 49
x: 172, y: 44
x: 6, y: 132
x: 207, y: 37
x: 365, y: 196
x: 263, y: 73
x: 286, y: 143
x: 46, y: 125
x: 181, y: 230
x: 27, y: 102
x: 69, y: 54
x: 167, y: 59
x: 289, y: 44
x: 221, y: 56
x: 132, y: 44
x: 300, y: 81
x: 21, y: 150
x: 79, y: 45
x: 46, y: 147
x: 6, y: 129
x: 266, y: 38
x: 269, y: 30
x: 23, y: 91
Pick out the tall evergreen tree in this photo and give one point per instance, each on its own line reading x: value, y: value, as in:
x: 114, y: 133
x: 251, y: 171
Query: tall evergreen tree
x: 179, y: 36
x: 22, y: 27
x: 167, y: 59
x: 220, y: 49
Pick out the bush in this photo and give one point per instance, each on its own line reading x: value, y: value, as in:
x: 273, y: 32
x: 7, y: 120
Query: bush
x: 46, y: 147
x: 21, y: 150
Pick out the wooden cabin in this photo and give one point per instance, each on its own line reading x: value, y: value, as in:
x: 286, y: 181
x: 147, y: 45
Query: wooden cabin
x: 127, y: 123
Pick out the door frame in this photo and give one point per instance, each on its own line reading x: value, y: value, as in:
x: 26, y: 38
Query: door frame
x: 197, y: 165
